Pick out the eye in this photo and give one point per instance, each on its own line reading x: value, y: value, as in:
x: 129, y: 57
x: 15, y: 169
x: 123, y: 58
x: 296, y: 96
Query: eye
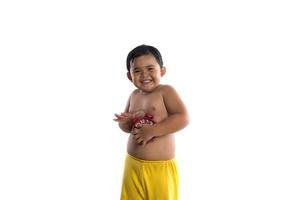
x: 136, y: 71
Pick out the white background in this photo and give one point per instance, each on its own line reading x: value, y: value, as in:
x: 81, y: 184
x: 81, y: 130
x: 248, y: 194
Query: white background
x: 63, y: 76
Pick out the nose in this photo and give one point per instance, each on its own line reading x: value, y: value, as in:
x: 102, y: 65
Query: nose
x: 144, y: 73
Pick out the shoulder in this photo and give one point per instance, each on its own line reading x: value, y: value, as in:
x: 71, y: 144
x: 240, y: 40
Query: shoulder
x: 167, y: 89
x: 132, y: 95
x: 131, y: 98
x: 172, y: 100
x: 134, y: 92
x: 170, y: 94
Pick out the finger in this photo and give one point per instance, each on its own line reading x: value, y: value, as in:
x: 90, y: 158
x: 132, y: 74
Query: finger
x: 126, y: 114
x: 136, y: 137
x: 138, y: 126
x: 139, y: 113
x: 118, y: 117
x: 144, y: 142
x: 139, y: 141
x: 135, y: 131
x: 122, y: 115
x: 119, y: 120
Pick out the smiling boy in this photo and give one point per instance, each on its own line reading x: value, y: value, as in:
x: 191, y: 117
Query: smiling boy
x: 154, y: 112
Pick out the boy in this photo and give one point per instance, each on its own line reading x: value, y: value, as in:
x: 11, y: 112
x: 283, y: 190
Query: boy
x: 152, y: 114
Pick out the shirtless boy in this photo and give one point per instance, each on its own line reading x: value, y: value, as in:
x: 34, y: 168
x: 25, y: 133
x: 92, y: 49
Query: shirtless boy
x: 154, y: 112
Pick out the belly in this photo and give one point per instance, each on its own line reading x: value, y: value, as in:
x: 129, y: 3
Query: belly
x: 161, y: 148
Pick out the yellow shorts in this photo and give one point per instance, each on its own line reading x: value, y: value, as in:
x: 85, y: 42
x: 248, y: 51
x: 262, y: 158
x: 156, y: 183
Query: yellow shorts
x: 149, y: 180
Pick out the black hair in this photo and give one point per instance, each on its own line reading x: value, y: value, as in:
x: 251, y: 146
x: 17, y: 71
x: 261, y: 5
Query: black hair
x: 143, y: 50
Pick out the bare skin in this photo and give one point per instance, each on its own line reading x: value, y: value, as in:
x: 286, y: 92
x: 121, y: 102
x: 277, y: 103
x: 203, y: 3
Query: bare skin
x: 161, y: 101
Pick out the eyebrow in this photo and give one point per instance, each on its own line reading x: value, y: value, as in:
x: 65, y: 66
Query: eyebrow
x: 151, y: 65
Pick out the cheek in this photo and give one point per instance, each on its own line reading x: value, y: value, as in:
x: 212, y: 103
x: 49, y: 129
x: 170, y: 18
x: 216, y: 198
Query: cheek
x: 154, y: 73
x: 134, y: 76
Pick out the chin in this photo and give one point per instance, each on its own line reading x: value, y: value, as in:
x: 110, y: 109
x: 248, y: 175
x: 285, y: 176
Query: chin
x: 148, y: 90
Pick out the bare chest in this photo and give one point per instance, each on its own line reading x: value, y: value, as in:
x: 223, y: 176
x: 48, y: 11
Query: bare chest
x: 150, y: 103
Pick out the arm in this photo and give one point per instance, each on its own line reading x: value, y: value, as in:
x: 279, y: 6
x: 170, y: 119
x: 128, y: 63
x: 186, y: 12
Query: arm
x: 125, y: 119
x: 177, y: 118
x: 177, y: 113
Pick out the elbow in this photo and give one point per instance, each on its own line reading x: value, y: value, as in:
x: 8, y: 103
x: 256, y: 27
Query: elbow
x: 126, y: 129
x: 186, y: 120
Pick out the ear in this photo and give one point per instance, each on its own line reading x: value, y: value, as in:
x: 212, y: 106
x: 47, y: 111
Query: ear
x: 162, y: 71
x: 129, y: 76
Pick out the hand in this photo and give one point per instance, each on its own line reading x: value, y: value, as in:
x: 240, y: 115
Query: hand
x: 143, y: 133
x: 124, y: 118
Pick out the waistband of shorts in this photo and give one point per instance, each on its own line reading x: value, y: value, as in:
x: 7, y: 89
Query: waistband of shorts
x: 150, y: 161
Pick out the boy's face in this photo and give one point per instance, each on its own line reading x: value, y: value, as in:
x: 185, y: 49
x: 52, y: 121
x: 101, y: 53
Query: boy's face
x: 145, y: 73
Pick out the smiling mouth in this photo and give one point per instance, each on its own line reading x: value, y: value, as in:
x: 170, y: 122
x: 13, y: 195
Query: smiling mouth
x: 146, y: 82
